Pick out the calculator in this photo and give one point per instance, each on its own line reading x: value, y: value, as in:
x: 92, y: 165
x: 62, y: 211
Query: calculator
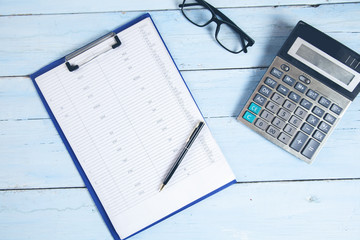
x: 304, y: 93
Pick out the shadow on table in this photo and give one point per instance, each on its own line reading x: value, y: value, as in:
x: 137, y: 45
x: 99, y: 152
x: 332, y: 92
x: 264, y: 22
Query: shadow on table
x: 276, y: 38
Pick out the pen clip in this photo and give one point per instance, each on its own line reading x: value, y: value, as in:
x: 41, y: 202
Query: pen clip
x: 194, y: 131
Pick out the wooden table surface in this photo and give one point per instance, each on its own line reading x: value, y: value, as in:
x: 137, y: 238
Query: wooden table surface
x: 277, y: 196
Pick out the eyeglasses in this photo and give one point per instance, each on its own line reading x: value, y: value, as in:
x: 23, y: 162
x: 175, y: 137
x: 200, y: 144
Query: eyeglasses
x: 227, y: 33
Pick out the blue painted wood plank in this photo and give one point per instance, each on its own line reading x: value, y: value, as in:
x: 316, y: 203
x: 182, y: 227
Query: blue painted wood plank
x: 30, y: 42
x: 281, y: 211
x: 9, y: 7
x: 33, y: 155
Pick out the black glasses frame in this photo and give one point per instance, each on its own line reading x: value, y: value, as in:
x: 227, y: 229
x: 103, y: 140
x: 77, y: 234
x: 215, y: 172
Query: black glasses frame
x: 222, y: 20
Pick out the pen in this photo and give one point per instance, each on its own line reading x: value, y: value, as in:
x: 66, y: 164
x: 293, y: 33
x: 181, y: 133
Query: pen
x: 188, y: 144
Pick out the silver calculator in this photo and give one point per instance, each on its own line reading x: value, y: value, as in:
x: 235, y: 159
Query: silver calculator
x: 304, y: 93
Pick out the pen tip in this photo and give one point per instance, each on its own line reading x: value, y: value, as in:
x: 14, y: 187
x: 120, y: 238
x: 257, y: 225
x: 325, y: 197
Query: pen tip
x: 162, y: 186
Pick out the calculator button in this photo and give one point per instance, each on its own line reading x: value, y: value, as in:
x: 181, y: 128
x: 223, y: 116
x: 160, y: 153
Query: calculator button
x: 282, y: 89
x: 273, y: 131
x: 319, y: 135
x: 272, y: 107
x: 312, y: 120
x: 265, y: 91
x: 300, y: 112
x: 284, y: 114
x: 278, y: 99
x: 285, y: 67
x: 298, y: 141
x: 325, y: 102
x: 310, y: 148
x: 312, y: 94
x: 295, y: 121
x: 270, y: 82
x: 336, y: 109
x: 284, y: 138
x: 289, y: 105
x: 278, y: 122
x: 276, y: 72
x: 318, y: 111
x: 324, y: 127
x: 266, y: 115
x: 249, y: 117
x: 306, y: 104
x: 306, y: 128
x: 300, y: 87
x: 261, y: 124
x: 289, y: 80
x: 304, y: 79
x: 330, y: 118
x: 295, y: 97
x: 254, y: 108
x: 259, y: 99
x: 289, y: 129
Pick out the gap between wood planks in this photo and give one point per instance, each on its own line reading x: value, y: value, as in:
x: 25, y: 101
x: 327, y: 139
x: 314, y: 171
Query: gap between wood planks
x: 238, y: 183
x: 176, y: 9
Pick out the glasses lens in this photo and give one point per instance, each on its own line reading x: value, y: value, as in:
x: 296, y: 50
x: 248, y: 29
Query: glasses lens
x: 229, y: 38
x: 196, y: 13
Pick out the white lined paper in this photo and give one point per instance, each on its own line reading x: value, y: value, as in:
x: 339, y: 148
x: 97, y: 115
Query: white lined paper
x: 127, y: 114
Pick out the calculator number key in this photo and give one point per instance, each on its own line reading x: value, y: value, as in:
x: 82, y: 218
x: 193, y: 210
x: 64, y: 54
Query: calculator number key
x: 289, y: 129
x: 300, y: 112
x: 289, y: 105
x: 295, y: 121
x: 273, y: 131
x: 278, y: 122
x: 266, y: 115
x: 272, y: 107
x: 284, y: 114
x: 278, y: 99
x: 261, y: 124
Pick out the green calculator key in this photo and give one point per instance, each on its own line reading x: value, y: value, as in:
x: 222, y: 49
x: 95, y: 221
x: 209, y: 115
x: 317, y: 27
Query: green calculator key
x: 254, y: 108
x: 249, y: 117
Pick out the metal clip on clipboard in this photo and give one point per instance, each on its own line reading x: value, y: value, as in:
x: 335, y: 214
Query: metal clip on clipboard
x: 89, y: 46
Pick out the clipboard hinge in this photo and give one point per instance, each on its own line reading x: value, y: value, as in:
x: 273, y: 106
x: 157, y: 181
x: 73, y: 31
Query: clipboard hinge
x: 74, y: 67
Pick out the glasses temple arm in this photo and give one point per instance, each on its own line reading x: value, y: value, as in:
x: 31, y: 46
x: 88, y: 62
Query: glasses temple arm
x: 223, y: 16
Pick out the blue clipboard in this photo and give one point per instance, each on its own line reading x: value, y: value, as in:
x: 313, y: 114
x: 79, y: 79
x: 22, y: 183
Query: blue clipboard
x: 93, y: 194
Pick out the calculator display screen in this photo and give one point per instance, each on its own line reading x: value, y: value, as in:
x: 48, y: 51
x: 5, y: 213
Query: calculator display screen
x: 325, y: 64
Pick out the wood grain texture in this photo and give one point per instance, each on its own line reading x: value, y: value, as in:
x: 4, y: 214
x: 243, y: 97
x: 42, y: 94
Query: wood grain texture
x: 41, y: 193
x: 8, y: 7
x: 278, y: 211
x: 33, y: 154
x: 31, y: 42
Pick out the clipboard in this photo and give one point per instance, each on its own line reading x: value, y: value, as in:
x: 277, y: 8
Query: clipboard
x: 81, y: 60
